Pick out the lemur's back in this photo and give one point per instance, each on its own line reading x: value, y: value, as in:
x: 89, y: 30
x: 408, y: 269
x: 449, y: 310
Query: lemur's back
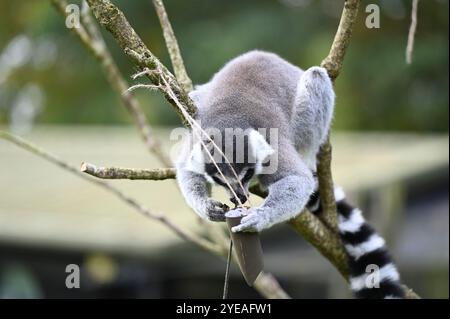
x: 256, y: 90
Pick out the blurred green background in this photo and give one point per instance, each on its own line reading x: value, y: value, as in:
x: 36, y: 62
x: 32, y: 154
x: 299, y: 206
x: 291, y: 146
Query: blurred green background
x: 390, y: 148
x: 376, y: 91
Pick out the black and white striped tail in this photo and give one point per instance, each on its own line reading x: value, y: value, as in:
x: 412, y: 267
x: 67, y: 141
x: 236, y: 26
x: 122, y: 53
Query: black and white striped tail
x: 373, y: 274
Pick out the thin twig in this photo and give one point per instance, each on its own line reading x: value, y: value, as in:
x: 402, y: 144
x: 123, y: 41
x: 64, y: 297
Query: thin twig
x: 172, y: 47
x: 412, y: 32
x: 158, y: 174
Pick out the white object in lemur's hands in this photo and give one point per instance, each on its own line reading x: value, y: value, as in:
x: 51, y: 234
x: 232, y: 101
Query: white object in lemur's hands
x: 261, y: 90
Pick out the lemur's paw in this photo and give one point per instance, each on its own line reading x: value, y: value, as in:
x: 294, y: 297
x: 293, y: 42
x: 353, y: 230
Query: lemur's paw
x: 214, y: 210
x: 255, y: 221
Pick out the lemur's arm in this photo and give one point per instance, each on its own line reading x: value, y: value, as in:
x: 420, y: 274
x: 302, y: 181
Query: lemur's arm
x: 196, y: 191
x: 288, y: 194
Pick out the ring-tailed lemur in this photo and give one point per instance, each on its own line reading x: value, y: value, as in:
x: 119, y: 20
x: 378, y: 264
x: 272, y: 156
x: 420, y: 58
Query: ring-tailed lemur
x: 260, y: 90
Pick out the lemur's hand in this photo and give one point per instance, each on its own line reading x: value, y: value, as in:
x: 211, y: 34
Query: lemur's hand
x: 212, y: 210
x: 253, y: 220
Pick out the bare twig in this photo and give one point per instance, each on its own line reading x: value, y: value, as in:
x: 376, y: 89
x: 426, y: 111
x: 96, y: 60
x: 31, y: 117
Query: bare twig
x: 90, y: 36
x: 158, y: 174
x: 172, y: 47
x: 191, y: 237
x: 412, y: 32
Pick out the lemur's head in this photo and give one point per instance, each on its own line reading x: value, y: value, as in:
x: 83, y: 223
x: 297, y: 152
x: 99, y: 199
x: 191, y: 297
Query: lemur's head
x: 246, y: 152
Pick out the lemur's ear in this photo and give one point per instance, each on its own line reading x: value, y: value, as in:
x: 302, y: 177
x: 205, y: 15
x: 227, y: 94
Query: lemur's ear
x: 196, y: 160
x: 259, y: 146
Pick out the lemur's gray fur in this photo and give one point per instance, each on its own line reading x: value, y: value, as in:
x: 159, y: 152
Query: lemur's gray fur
x: 261, y: 90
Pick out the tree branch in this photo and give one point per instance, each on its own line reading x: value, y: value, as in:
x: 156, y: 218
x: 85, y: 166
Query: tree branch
x: 333, y: 64
x: 412, y: 32
x: 172, y: 47
x: 128, y: 173
x: 115, y: 22
x: 91, y: 38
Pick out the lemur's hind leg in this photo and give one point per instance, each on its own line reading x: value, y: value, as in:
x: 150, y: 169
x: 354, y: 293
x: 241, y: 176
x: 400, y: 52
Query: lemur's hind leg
x: 314, y: 104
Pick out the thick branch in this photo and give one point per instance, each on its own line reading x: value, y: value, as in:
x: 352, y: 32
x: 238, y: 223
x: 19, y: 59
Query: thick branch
x: 128, y: 173
x: 91, y: 38
x: 115, y: 22
x: 323, y: 239
x: 172, y: 47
